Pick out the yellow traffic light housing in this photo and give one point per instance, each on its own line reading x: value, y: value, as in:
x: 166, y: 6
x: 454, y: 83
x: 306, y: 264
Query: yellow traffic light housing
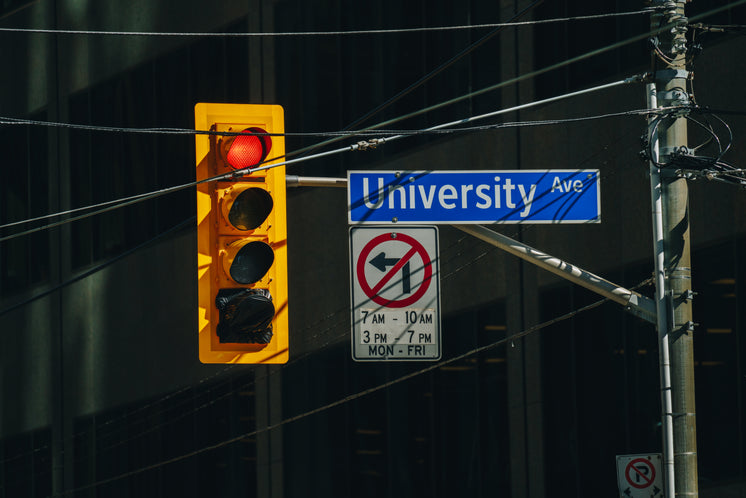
x: 242, y: 234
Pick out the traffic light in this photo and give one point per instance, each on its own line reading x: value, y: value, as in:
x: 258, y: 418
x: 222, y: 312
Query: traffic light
x: 242, y: 234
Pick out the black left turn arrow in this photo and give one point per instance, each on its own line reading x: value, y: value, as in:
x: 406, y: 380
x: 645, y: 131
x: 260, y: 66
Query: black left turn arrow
x: 381, y: 261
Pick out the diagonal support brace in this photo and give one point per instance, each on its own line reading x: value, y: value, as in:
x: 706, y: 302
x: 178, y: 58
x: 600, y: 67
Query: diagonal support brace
x: 637, y: 304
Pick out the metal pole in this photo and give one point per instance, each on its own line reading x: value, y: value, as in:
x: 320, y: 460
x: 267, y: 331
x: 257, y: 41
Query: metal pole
x: 671, y: 84
x: 314, y: 181
x: 664, y: 363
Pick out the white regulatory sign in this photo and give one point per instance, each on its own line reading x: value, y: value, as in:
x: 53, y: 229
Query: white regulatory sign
x: 395, y: 293
x: 639, y: 475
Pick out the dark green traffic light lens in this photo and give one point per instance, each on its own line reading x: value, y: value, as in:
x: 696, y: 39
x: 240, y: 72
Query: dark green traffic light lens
x: 252, y: 262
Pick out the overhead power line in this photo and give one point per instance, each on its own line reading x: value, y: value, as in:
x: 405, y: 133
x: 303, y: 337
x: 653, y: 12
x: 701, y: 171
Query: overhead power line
x: 591, y: 17
x: 395, y: 380
x: 361, y: 145
x: 316, y: 331
x: 517, y: 79
x: 447, y: 129
x: 327, y: 322
x: 439, y: 69
x: 346, y: 399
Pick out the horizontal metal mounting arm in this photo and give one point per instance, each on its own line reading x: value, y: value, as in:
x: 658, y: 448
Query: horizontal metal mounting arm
x: 314, y: 181
x: 639, y: 305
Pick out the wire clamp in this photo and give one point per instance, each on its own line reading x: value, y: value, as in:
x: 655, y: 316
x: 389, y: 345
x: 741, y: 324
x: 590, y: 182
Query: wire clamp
x: 369, y: 144
x: 676, y: 97
x: 665, y: 75
x: 677, y: 151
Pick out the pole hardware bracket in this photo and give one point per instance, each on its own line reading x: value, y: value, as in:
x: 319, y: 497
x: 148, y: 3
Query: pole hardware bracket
x: 679, y: 150
x: 684, y: 297
x: 678, y: 99
x: 687, y: 295
x: 679, y: 173
x: 663, y: 5
x: 672, y: 158
x: 679, y: 43
x: 666, y: 75
x: 687, y: 174
x: 688, y: 326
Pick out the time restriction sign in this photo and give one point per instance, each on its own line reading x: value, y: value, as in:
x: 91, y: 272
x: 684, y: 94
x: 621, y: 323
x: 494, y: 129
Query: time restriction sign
x: 395, y: 293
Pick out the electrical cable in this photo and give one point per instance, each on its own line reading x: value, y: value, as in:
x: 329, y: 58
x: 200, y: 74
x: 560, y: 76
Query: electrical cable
x: 133, y: 199
x: 720, y: 28
x: 396, y: 134
x: 544, y: 70
x: 686, y: 161
x: 110, y: 206
x: 322, y: 33
x: 421, y: 81
x: 344, y: 311
x: 325, y: 320
x: 442, y: 104
x: 739, y: 170
x: 545, y: 122
x: 346, y: 399
x: 170, y: 231
x: 504, y: 83
x: 182, y: 414
x: 414, y: 113
x: 738, y: 2
x: 436, y: 130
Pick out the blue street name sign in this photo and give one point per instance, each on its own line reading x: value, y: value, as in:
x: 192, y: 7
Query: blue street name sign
x: 484, y: 197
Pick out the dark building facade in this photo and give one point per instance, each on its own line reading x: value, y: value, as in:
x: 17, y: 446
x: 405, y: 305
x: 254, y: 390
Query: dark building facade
x: 101, y: 388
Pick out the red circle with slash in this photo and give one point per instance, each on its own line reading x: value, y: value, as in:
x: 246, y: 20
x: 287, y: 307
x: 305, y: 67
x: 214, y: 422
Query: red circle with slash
x: 634, y: 472
x: 373, y: 291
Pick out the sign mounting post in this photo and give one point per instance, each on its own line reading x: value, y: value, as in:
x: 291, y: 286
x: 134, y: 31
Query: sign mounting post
x: 395, y: 293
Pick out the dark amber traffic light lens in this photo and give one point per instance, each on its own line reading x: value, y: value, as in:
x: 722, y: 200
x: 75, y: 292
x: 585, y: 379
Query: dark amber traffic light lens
x: 250, y: 208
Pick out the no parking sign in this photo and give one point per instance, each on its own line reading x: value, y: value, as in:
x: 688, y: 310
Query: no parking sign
x: 639, y: 476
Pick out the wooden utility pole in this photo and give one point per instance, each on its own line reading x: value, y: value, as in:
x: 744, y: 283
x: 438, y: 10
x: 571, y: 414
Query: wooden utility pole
x: 670, y: 129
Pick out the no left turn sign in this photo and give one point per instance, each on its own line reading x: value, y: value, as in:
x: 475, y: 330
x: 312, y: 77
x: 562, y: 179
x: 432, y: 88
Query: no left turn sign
x: 395, y: 293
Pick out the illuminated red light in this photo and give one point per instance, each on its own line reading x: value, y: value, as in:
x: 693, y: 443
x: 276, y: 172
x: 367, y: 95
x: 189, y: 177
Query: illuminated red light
x: 247, y: 149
